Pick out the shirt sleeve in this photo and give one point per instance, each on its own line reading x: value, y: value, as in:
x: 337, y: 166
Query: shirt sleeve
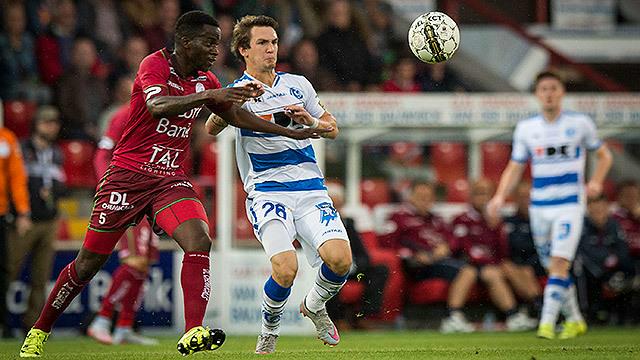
x: 311, y: 100
x: 18, y: 178
x: 519, y: 150
x: 591, y: 139
x: 153, y: 75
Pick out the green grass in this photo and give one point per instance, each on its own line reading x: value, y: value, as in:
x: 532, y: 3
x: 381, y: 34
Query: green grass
x: 598, y: 344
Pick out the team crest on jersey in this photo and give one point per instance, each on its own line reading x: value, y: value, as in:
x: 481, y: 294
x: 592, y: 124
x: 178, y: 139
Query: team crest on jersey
x: 570, y: 132
x: 295, y: 92
x: 199, y: 87
x: 327, y: 213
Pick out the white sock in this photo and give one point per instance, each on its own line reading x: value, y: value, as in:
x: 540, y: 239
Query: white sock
x: 101, y: 322
x: 554, y: 296
x: 327, y: 285
x: 570, y: 308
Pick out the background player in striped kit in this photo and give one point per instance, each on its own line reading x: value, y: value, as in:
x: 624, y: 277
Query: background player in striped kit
x: 556, y: 142
x: 287, y: 198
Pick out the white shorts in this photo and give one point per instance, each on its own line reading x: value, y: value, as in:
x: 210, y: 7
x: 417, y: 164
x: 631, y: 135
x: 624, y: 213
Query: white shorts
x: 556, y: 231
x: 308, y: 216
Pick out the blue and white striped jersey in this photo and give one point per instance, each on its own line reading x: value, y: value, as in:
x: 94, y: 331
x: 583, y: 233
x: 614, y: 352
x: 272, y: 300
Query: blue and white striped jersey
x: 268, y: 162
x: 557, y: 151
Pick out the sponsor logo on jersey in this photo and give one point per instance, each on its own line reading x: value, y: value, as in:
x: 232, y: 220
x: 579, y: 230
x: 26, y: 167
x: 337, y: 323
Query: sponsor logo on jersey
x: 199, y: 87
x: 174, y: 85
x: 556, y: 152
x: 164, y: 156
x: 172, y: 130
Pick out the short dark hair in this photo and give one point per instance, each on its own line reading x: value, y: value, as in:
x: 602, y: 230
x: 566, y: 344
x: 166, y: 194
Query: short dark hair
x: 191, y: 23
x: 626, y: 184
x: 242, y: 31
x: 548, y: 74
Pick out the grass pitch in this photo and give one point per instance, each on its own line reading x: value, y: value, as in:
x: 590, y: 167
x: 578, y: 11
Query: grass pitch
x: 610, y: 343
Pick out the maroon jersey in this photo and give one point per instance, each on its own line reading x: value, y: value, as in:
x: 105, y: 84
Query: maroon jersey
x: 158, y: 147
x: 416, y: 232
x: 631, y: 227
x: 107, y: 143
x: 473, y: 237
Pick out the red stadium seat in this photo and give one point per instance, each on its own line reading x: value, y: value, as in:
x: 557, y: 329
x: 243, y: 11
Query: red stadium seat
x: 458, y: 190
x: 374, y: 192
x: 78, y: 163
x: 449, y: 161
x: 18, y: 116
x: 208, y: 163
x: 495, y: 157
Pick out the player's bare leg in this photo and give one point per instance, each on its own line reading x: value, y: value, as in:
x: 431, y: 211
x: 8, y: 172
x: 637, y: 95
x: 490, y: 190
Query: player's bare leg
x: 336, y: 255
x: 502, y: 296
x: 193, y: 236
x: 458, y: 292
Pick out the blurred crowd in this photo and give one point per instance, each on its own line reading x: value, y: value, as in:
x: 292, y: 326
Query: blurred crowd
x: 418, y: 254
x: 52, y: 51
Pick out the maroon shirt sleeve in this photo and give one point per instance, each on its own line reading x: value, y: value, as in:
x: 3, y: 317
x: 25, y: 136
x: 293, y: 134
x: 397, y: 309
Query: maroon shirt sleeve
x: 153, y: 75
x: 109, y: 140
x: 391, y: 239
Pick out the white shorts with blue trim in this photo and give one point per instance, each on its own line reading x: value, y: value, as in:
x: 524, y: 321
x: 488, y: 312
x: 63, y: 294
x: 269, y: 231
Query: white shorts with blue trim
x: 308, y: 216
x: 556, y: 230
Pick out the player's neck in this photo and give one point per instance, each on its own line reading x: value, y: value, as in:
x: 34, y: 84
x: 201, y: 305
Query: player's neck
x: 551, y: 115
x: 267, y: 77
x: 182, y: 66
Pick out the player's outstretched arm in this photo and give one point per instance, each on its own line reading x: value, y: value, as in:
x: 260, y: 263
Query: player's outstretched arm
x: 301, y: 116
x: 603, y: 164
x: 167, y: 106
x: 241, y: 118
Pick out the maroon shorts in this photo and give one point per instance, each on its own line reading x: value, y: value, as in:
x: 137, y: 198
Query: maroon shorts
x: 125, y: 197
x: 139, y: 241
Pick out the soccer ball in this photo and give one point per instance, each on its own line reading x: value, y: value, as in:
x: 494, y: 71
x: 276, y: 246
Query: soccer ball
x: 434, y: 37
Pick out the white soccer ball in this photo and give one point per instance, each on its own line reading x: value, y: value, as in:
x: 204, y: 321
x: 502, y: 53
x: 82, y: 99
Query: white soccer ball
x: 434, y: 37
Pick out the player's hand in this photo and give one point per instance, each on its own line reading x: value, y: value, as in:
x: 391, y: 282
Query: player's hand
x: 493, y: 208
x: 298, y: 114
x: 238, y: 94
x: 23, y: 224
x: 594, y: 189
x: 307, y: 133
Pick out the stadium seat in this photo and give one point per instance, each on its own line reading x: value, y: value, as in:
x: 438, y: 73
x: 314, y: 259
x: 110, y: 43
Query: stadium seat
x: 374, y: 192
x: 208, y: 163
x: 458, y: 190
x: 18, y: 116
x: 78, y: 163
x: 495, y: 157
x: 449, y: 161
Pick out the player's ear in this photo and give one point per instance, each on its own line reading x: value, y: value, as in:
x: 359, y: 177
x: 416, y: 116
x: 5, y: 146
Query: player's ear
x: 185, y: 41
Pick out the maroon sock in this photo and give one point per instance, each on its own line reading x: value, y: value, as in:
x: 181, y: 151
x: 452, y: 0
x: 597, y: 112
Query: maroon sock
x: 66, y: 288
x: 130, y: 301
x: 196, y: 287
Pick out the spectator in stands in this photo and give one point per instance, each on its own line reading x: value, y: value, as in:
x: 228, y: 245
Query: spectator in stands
x: 603, y: 257
x: 121, y: 95
x: 522, y: 265
x: 627, y: 213
x: 403, y: 78
x: 482, y: 243
x: 382, y: 40
x: 343, y: 50
x: 80, y: 113
x: 422, y: 240
x: 374, y: 277
x: 54, y: 46
x: 43, y: 158
x: 160, y: 34
x: 18, y: 70
x: 305, y: 61
x: 130, y: 55
x: 105, y: 21
x: 13, y: 188
x: 439, y: 78
x: 403, y: 166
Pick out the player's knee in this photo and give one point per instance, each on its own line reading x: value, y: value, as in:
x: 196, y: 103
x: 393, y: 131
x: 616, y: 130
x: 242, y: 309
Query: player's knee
x: 284, y: 269
x: 468, y: 271
x: 491, y: 274
x: 340, y: 264
x: 559, y: 266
